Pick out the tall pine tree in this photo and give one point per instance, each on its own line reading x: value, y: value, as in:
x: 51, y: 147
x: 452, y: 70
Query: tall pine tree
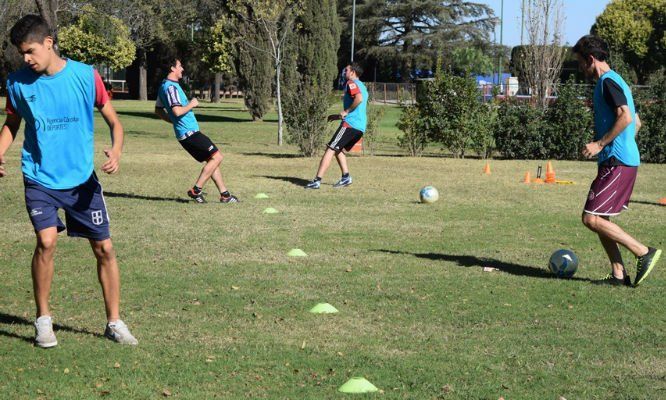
x: 309, y: 74
x: 411, y: 34
x: 255, y: 70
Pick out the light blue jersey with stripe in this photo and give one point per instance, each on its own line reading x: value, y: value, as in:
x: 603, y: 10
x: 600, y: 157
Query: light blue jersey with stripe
x: 623, y: 147
x: 169, y: 95
x: 58, y: 149
x: 357, y: 119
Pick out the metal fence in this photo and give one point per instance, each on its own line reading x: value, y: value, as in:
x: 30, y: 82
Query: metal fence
x: 392, y: 93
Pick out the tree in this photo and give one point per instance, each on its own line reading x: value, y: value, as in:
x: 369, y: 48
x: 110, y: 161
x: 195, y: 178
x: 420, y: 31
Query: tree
x: 469, y: 60
x: 635, y: 30
x: 541, y: 59
x: 255, y: 71
x: 413, y: 33
x: 148, y: 22
x: 310, y: 70
x: 277, y: 19
x: 451, y: 113
x: 98, y: 38
x: 217, y: 56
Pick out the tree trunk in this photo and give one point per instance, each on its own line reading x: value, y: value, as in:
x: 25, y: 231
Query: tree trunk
x: 143, y: 78
x: 47, y: 10
x: 216, y: 87
x: 279, y: 103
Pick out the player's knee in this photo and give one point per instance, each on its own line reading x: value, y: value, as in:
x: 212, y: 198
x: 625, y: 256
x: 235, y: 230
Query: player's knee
x: 46, y: 244
x: 104, y: 249
x: 216, y: 158
x: 590, y: 221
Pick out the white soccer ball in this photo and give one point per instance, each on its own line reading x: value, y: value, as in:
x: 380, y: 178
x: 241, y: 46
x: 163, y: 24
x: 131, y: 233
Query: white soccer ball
x: 563, y: 263
x: 428, y: 194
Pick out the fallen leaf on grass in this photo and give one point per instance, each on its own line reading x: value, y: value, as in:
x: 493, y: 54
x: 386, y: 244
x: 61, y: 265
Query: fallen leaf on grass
x: 166, y: 393
x: 116, y: 365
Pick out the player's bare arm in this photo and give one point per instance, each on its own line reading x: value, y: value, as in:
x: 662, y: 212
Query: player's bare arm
x: 182, y: 110
x: 622, y: 120
x: 7, y: 136
x: 358, y: 99
x: 638, y: 123
x: 113, y: 154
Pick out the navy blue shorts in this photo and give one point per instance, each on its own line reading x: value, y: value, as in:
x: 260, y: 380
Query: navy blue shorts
x: 85, y: 209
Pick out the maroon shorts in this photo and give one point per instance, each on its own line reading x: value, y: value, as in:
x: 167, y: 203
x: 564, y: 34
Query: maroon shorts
x: 611, y: 189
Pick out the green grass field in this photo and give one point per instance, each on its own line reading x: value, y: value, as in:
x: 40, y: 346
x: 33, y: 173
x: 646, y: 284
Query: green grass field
x: 221, y: 311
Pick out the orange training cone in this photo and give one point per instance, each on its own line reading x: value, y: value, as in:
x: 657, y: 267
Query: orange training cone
x: 527, y: 179
x: 662, y: 201
x: 550, y: 173
x: 486, y: 169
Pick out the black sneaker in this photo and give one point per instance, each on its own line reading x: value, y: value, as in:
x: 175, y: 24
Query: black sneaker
x: 611, y: 280
x: 229, y: 199
x: 198, y: 197
x: 644, y: 264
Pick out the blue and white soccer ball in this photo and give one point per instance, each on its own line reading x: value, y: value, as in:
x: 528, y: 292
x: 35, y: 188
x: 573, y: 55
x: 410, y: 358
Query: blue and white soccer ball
x: 563, y: 263
x: 428, y: 194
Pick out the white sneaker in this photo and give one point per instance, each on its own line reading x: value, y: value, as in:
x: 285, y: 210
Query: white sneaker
x: 44, y: 336
x: 119, y: 333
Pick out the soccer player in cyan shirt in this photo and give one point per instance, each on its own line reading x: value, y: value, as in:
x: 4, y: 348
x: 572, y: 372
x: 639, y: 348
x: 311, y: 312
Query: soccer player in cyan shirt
x: 56, y: 97
x: 614, y: 145
x: 173, y: 107
x: 354, y: 122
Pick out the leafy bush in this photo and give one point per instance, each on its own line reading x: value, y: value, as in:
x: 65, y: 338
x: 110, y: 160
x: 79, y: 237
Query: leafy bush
x: 651, y: 137
x: 450, y: 112
x: 519, y: 131
x: 414, y: 138
x: 305, y: 117
x: 568, y: 123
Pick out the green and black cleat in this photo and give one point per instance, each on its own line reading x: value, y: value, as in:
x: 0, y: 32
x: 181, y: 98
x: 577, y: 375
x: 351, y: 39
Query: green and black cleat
x: 611, y: 280
x: 645, y: 264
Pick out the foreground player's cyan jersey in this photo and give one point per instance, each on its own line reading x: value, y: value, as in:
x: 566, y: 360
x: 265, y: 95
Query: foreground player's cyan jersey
x: 623, y: 147
x: 58, y: 150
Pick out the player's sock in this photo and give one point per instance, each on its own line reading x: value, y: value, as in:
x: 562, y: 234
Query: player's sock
x: 317, y: 179
x: 225, y: 193
x: 345, y: 175
x: 196, y: 189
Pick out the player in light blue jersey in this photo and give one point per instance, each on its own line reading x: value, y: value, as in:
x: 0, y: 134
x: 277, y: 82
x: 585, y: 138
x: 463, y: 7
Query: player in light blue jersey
x: 56, y: 98
x: 615, y: 124
x: 354, y: 122
x: 173, y: 106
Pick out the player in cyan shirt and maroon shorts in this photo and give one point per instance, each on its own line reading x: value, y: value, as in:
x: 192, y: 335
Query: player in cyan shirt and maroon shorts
x: 56, y: 98
x: 615, y: 125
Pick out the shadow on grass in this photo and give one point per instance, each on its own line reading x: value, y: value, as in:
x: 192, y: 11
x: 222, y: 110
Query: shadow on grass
x: 8, y: 319
x: 290, y: 179
x: 141, y: 197
x: 200, y: 117
x: 472, y: 261
x: 273, y: 155
x: 649, y: 203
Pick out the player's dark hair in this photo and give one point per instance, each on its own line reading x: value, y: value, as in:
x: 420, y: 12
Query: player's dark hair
x: 29, y: 29
x: 358, y: 70
x: 594, y: 46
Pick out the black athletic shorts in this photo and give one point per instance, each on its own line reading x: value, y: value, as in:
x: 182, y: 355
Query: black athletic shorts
x: 199, y: 146
x: 344, y: 138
